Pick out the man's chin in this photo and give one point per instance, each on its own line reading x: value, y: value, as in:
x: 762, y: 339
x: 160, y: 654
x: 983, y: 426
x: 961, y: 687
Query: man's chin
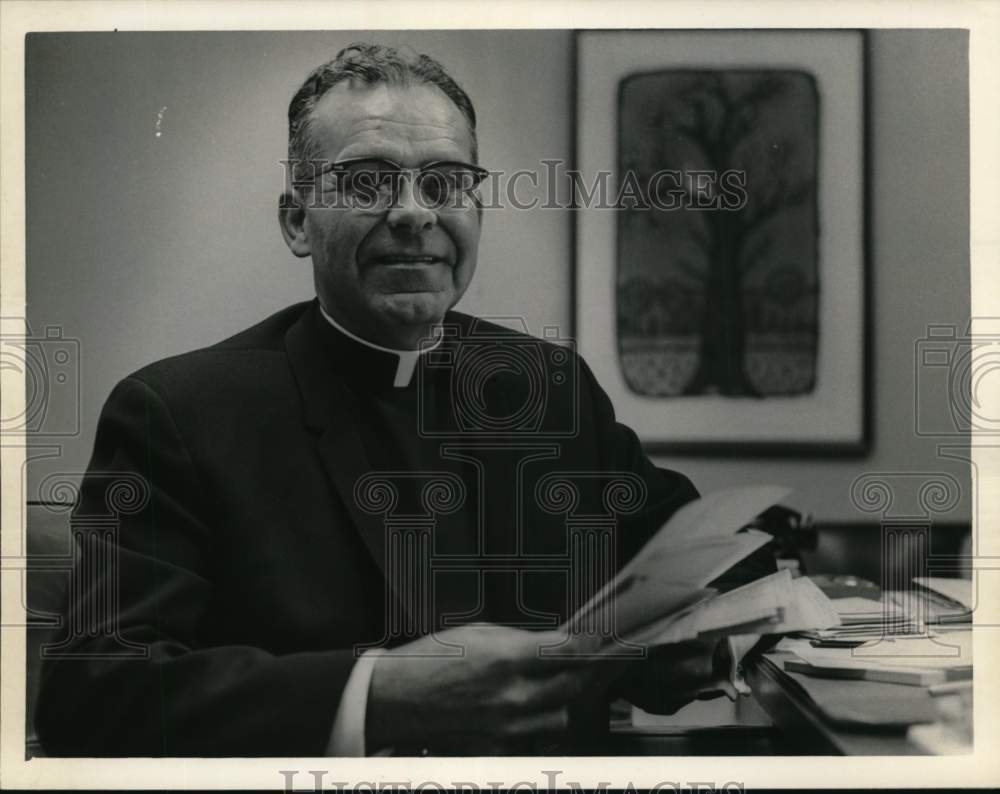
x: 415, y: 308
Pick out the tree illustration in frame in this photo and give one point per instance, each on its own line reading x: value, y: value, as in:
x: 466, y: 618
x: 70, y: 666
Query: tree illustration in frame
x: 717, y: 284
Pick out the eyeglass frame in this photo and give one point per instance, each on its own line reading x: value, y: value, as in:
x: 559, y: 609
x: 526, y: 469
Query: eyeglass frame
x: 414, y: 174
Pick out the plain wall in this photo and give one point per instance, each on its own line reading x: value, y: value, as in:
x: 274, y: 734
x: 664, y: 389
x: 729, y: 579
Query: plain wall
x: 142, y: 245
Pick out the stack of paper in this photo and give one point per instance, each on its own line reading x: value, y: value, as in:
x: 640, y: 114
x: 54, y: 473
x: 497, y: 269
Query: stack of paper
x: 661, y: 595
x: 937, y: 601
x: 917, y: 661
x: 775, y: 604
x: 863, y: 619
x: 858, y: 611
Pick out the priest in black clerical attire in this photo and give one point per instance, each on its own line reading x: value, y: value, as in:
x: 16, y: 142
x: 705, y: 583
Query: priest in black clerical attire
x: 358, y: 526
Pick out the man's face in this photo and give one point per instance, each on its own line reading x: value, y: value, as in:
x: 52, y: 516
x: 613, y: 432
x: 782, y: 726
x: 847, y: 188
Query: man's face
x: 388, y: 274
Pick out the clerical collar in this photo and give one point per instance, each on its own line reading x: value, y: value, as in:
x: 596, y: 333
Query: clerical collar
x: 406, y: 360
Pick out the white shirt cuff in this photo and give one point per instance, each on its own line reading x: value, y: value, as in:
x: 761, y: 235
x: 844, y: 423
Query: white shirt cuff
x: 347, y: 740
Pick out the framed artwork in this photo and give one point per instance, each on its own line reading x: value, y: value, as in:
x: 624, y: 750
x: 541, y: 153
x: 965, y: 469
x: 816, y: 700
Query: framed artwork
x: 720, y: 280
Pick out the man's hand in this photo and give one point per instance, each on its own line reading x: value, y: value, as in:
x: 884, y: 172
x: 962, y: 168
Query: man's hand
x: 674, y: 675
x: 500, y: 694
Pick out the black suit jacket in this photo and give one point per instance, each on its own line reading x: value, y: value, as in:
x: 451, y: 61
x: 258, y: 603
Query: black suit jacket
x: 227, y: 568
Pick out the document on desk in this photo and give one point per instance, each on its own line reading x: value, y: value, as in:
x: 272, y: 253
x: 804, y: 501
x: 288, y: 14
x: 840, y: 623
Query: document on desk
x: 916, y: 660
x: 951, y: 650
x: 863, y: 619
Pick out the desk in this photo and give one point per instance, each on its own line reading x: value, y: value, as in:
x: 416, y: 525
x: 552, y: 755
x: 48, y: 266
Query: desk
x: 801, y: 722
x: 730, y: 740
x: 799, y: 727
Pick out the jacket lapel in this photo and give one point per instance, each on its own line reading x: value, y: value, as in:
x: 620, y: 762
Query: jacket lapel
x: 330, y: 411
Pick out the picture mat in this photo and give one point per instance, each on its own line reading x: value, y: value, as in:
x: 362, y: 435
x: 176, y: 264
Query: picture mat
x: 834, y: 412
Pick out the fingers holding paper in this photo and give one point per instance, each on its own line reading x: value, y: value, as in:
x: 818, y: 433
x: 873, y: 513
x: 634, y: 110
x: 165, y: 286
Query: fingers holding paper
x: 477, y: 686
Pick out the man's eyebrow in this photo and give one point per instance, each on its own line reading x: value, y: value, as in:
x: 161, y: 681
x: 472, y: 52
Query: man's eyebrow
x: 383, y: 154
x: 393, y: 161
x: 373, y: 123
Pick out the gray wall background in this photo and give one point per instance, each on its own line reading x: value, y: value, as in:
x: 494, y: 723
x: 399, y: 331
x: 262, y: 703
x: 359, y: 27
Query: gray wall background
x: 143, y: 245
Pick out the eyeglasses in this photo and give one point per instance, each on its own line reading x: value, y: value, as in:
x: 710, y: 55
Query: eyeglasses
x: 375, y: 183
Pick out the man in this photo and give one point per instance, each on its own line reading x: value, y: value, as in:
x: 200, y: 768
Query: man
x: 365, y: 472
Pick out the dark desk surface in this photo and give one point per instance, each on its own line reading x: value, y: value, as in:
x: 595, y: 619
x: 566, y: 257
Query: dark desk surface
x: 729, y: 740
x: 805, y: 726
x: 799, y: 728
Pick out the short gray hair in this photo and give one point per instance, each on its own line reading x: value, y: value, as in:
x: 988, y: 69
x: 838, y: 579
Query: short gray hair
x: 367, y: 64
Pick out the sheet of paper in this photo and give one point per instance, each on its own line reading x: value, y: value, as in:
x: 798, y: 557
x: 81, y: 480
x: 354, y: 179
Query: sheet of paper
x: 911, y: 676
x: 687, y: 628
x: 806, y: 608
x: 865, y: 632
x: 636, y: 601
x: 762, y: 596
x: 699, y: 562
x: 718, y: 514
x: 687, y: 566
x: 927, y: 652
x: 957, y: 590
x: 648, y: 633
x: 927, y: 605
x: 773, y: 604
x: 859, y: 606
x: 697, y: 545
x: 712, y: 618
x: 953, y: 649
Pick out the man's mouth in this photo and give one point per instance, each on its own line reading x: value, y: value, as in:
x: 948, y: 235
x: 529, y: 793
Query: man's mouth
x: 407, y: 259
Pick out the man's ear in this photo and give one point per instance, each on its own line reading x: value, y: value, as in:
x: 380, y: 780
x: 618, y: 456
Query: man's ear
x: 292, y: 219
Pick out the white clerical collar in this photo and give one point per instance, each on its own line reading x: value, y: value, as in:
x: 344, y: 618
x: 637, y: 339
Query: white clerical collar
x: 406, y: 359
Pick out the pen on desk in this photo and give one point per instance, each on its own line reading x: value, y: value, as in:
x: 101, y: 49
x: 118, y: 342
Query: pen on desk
x: 831, y: 643
x: 950, y: 687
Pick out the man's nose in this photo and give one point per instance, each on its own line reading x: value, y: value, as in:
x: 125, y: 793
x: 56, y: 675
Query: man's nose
x: 409, y: 211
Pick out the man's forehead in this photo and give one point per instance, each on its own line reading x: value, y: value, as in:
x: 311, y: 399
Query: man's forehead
x: 405, y: 116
